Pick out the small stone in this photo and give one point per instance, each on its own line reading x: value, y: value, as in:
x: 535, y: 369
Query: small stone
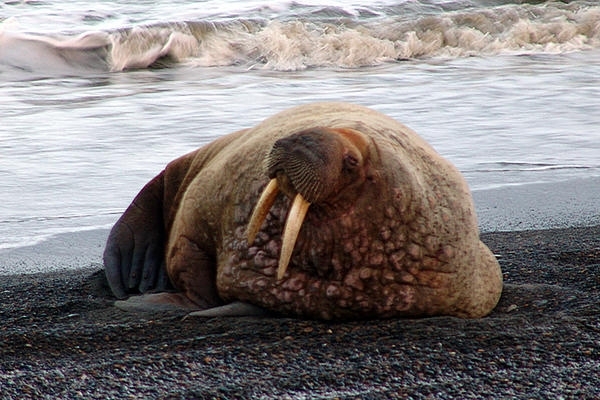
x: 376, y: 259
x: 332, y: 291
x: 388, y: 276
x: 365, y: 273
x: 385, y: 233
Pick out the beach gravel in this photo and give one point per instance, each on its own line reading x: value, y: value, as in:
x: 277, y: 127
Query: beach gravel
x: 60, y: 337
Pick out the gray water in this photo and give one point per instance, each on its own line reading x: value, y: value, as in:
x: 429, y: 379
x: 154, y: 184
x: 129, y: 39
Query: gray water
x: 77, y: 143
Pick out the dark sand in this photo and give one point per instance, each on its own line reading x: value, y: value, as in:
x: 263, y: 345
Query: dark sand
x: 61, y: 338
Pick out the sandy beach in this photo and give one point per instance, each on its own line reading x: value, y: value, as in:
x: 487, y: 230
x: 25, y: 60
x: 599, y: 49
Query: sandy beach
x: 60, y: 336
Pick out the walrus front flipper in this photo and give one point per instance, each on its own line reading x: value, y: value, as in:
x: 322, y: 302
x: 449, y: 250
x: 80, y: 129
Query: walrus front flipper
x: 134, y: 254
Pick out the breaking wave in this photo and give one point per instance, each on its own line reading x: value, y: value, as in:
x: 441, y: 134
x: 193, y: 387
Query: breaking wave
x: 342, y: 41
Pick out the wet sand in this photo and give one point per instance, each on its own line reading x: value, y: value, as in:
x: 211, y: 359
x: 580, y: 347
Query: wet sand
x: 60, y: 337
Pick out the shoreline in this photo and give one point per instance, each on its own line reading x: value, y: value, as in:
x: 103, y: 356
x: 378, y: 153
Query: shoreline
x: 538, y: 206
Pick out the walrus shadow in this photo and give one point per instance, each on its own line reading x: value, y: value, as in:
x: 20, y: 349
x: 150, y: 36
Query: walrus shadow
x: 541, y: 299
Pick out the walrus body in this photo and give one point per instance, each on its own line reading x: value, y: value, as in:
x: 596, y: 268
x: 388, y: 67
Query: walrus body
x: 387, y: 227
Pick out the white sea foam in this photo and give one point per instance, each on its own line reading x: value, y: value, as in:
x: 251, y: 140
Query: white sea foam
x: 314, y: 39
x: 298, y: 43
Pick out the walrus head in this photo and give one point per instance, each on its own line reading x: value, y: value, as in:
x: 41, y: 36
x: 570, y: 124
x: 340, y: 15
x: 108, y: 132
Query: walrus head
x: 319, y: 165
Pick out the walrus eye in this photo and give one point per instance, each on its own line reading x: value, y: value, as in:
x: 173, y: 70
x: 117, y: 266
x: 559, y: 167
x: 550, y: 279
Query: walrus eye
x: 350, y: 162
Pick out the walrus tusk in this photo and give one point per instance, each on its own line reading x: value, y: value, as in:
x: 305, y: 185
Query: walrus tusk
x: 290, y: 232
x: 265, y: 202
x: 293, y: 222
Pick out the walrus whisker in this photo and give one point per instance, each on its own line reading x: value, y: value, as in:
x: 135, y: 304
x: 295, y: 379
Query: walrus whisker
x: 290, y: 233
x: 264, y: 204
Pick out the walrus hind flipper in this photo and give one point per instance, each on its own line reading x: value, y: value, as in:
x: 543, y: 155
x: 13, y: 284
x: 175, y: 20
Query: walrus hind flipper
x: 235, y: 309
x: 178, y: 303
x: 158, y: 303
x: 134, y: 254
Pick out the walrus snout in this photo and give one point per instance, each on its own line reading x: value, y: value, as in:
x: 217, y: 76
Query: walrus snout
x: 306, y: 162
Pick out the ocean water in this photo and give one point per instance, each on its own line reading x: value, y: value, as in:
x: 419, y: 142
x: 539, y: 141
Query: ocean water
x: 96, y: 97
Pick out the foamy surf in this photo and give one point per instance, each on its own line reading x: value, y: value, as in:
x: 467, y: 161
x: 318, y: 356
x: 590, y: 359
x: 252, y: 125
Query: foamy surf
x: 311, y: 40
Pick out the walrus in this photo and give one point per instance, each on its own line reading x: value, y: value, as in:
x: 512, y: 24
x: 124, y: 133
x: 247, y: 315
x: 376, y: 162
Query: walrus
x: 329, y: 211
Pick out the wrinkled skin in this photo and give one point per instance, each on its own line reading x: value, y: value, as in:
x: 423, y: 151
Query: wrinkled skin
x: 385, y: 226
